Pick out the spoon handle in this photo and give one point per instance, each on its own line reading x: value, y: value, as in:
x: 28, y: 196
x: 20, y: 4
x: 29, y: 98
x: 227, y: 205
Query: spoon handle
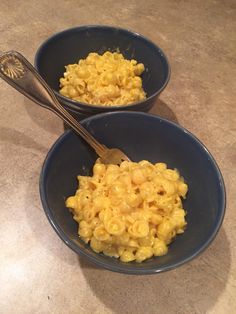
x: 17, y: 71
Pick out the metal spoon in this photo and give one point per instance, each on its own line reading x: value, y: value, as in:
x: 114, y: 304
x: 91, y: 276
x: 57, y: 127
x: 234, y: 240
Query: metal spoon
x: 17, y: 71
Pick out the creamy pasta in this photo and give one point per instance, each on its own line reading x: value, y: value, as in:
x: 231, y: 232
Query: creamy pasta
x: 132, y: 211
x: 107, y: 80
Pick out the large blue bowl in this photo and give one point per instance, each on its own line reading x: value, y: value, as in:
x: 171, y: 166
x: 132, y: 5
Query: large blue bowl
x: 141, y: 136
x: 73, y: 44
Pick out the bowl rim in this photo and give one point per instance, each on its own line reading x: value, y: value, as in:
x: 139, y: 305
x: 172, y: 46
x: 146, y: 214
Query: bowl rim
x: 121, y: 268
x: 75, y: 104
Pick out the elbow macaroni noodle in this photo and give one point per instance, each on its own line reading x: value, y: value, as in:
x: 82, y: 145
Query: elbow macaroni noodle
x: 106, y: 80
x: 132, y: 211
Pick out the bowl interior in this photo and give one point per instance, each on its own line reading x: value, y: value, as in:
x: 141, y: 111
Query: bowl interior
x: 71, y: 45
x: 141, y: 136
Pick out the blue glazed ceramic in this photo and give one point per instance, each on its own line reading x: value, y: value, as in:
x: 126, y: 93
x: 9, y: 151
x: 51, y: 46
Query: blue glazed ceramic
x: 141, y: 136
x: 73, y: 44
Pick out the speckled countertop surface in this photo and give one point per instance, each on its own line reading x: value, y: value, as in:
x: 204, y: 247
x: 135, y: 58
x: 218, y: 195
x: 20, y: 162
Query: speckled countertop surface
x: 38, y: 273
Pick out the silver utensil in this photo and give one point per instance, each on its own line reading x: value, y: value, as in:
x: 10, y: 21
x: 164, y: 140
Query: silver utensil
x: 17, y: 71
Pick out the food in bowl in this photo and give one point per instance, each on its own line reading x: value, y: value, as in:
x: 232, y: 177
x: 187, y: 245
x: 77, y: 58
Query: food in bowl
x: 108, y: 80
x: 131, y: 211
x: 50, y: 61
x: 142, y: 137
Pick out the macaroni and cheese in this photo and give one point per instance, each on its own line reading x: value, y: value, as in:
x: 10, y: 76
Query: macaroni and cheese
x: 132, y: 211
x: 107, y: 80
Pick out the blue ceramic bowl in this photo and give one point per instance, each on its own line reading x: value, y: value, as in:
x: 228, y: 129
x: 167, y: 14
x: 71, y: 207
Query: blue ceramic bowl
x: 73, y: 44
x: 141, y: 136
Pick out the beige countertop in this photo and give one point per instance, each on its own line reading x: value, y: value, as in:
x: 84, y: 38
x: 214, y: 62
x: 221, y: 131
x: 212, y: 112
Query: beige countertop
x: 38, y: 272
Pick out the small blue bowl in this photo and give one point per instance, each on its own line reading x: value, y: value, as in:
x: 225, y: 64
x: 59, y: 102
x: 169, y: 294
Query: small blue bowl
x: 141, y: 136
x: 73, y: 44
